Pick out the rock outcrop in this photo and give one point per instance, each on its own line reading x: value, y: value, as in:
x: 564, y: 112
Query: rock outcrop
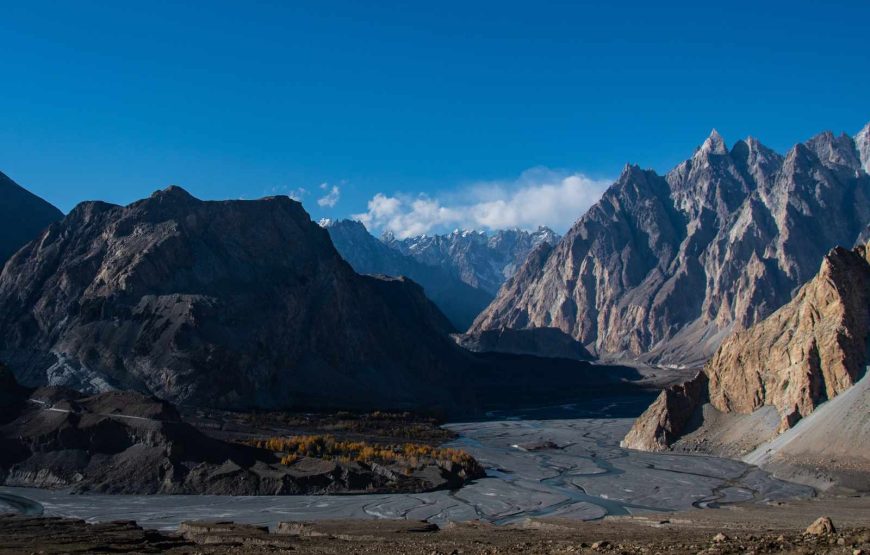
x: 662, y: 268
x: 22, y: 216
x: 809, y: 352
x: 231, y: 304
x: 460, y: 302
x: 668, y: 417
x: 481, y: 260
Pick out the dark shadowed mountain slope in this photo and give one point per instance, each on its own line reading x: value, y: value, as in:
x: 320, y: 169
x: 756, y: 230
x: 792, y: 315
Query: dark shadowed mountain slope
x: 245, y: 304
x: 663, y: 268
x: 479, y: 259
x: 460, y: 302
x: 22, y: 216
x: 232, y: 303
x: 125, y: 442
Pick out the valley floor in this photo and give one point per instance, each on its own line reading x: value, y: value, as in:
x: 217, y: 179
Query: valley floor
x: 557, y: 483
x: 562, y: 461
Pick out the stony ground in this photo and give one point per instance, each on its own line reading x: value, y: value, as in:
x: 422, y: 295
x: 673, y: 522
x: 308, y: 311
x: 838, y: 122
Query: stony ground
x: 738, y: 529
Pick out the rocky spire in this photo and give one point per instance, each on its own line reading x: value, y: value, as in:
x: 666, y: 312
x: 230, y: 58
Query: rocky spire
x: 714, y: 144
x: 835, y: 152
x: 862, y: 143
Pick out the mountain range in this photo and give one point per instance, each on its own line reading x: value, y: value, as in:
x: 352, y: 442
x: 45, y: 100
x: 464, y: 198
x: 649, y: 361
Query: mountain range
x: 460, y: 302
x: 484, y: 261
x: 240, y: 304
x: 662, y: 268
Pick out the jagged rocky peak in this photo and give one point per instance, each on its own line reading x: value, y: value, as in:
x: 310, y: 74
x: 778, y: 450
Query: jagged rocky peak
x: 756, y: 159
x: 709, y: 184
x: 345, y: 223
x: 713, y: 144
x: 663, y: 268
x: 835, y: 152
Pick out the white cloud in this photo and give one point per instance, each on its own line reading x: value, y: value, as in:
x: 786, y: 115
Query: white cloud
x: 538, y: 197
x: 332, y: 196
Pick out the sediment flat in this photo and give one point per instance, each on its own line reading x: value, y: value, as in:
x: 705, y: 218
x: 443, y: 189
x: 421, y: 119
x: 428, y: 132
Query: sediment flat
x: 562, y: 462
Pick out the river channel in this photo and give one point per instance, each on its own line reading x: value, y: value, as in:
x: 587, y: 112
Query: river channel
x: 560, y: 461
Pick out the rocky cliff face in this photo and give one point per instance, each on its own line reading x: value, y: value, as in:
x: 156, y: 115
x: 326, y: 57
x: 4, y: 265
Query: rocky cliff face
x: 233, y: 304
x: 22, y: 216
x: 664, y: 267
x: 809, y: 351
x: 862, y: 142
x: 460, y: 302
x: 481, y: 260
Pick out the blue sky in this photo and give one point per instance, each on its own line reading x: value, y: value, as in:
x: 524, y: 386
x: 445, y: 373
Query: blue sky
x: 452, y: 105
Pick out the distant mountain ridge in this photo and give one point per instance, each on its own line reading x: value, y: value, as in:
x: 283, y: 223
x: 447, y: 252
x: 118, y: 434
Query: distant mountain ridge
x: 662, y: 268
x: 22, y: 216
x: 460, y: 302
x: 480, y: 259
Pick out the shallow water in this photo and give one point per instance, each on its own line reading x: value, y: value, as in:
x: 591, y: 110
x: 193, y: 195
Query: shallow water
x: 578, y: 471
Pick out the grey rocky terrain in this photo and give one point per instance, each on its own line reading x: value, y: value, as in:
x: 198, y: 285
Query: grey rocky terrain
x: 663, y: 268
x: 460, y: 302
x: 22, y: 216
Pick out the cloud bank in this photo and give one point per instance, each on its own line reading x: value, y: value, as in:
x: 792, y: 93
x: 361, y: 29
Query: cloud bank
x: 540, y: 196
x: 332, y: 196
